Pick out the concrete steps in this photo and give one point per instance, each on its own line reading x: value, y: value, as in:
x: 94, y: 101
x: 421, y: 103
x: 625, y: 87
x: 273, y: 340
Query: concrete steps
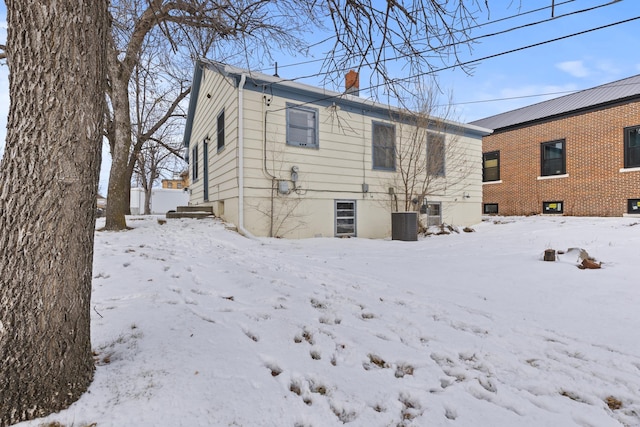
x: 191, y: 212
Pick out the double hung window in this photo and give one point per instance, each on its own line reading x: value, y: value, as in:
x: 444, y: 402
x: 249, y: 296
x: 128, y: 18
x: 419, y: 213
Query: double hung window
x: 435, y: 154
x: 302, y: 126
x: 491, y: 166
x: 632, y: 147
x: 384, y: 147
x: 553, y: 158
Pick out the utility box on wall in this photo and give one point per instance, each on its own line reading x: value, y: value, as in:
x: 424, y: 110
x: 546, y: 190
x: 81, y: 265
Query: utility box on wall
x: 404, y: 226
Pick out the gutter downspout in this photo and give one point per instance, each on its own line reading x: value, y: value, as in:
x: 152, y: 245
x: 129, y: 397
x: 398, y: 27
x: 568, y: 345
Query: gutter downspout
x: 241, y: 228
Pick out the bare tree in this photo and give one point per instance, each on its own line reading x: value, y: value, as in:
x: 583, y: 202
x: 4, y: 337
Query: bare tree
x: 154, y: 161
x: 48, y: 186
x: 429, y: 157
x: 157, y: 88
x: 187, y: 26
x: 420, y: 33
x: 397, y: 41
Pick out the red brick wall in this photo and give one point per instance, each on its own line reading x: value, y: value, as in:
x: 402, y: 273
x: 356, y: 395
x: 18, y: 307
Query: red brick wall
x: 594, y: 156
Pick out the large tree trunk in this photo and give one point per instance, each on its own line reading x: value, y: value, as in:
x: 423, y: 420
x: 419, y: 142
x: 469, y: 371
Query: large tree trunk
x: 119, y: 178
x: 48, y: 186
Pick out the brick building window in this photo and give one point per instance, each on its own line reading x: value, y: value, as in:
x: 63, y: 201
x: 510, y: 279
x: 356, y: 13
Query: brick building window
x: 490, y: 208
x: 632, y: 147
x: 491, y: 166
x: 633, y: 206
x: 552, y: 207
x: 553, y: 158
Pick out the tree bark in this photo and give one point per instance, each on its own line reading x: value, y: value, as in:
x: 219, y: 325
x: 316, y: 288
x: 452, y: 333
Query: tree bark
x: 48, y: 185
x: 119, y: 188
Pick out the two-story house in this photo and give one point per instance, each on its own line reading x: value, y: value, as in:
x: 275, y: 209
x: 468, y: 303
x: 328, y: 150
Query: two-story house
x: 281, y: 158
x: 578, y: 154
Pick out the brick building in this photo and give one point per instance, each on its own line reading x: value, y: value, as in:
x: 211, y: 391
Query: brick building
x: 574, y: 155
x: 179, y: 181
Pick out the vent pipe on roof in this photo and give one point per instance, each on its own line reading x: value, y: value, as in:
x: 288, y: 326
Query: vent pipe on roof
x: 352, y: 83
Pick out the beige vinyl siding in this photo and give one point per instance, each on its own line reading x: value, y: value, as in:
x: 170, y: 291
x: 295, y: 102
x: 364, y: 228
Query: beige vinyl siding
x: 222, y: 165
x: 335, y: 170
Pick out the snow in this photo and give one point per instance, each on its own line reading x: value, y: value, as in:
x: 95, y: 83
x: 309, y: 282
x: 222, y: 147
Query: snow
x: 195, y: 325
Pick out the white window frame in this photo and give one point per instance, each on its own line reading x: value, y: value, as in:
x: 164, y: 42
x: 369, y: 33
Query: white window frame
x: 310, y: 130
x: 337, y: 215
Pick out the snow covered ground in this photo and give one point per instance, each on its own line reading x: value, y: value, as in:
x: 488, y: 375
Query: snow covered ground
x: 194, y: 325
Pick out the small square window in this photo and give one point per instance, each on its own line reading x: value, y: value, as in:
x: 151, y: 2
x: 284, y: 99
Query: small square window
x: 433, y: 210
x: 490, y: 208
x: 633, y: 206
x: 552, y: 207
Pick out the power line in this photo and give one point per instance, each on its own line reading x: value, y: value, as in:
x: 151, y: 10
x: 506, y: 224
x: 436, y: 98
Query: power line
x: 296, y: 64
x: 325, y: 73
x: 473, y: 61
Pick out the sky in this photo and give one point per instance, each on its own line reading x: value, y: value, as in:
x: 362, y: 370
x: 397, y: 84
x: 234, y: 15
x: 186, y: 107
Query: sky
x: 507, y: 81
x: 467, y: 329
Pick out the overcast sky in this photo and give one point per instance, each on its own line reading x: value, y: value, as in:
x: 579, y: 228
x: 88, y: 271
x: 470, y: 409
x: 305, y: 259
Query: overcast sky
x: 510, y: 80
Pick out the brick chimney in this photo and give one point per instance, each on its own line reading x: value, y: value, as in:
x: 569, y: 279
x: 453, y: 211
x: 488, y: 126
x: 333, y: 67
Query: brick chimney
x: 352, y: 83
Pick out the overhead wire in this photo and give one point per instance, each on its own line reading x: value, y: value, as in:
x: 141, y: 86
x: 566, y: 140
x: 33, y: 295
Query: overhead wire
x: 465, y: 42
x: 484, y: 24
x: 473, y: 61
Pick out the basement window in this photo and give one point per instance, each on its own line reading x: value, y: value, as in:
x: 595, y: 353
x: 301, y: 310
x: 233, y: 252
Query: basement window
x: 490, y: 209
x: 345, y: 211
x: 633, y: 206
x: 552, y: 207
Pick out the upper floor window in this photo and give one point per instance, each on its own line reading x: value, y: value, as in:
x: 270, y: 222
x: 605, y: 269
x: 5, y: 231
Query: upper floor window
x: 220, y: 130
x: 553, y: 158
x: 491, y: 166
x: 435, y: 154
x: 632, y: 147
x: 384, y: 146
x: 302, y: 126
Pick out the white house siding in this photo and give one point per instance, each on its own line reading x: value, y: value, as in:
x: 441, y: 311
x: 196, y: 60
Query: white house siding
x: 222, y: 170
x: 336, y: 170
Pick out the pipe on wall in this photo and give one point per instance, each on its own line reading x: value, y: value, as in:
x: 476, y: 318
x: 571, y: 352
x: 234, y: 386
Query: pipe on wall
x: 241, y: 227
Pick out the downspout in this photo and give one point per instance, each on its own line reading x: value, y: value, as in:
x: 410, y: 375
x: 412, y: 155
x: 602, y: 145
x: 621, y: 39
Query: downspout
x: 241, y: 228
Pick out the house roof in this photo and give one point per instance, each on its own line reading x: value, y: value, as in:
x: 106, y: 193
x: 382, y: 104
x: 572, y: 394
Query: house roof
x: 318, y: 95
x: 599, y: 96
